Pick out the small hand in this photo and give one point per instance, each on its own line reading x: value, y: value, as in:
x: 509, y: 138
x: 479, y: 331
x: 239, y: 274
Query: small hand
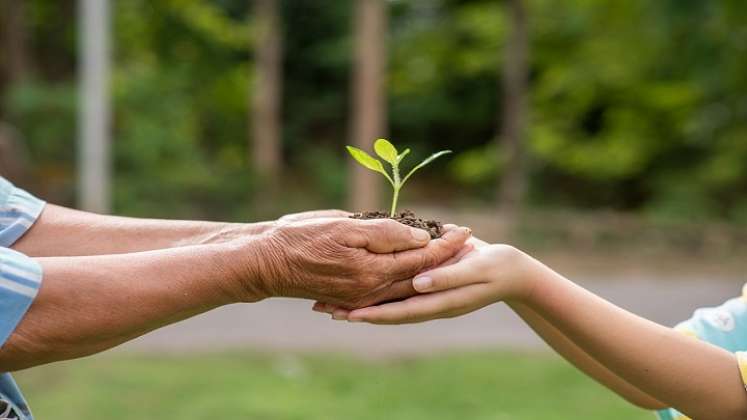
x: 349, y: 263
x: 478, y: 276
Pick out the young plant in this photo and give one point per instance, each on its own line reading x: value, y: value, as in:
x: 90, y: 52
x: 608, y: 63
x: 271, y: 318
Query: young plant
x: 388, y: 152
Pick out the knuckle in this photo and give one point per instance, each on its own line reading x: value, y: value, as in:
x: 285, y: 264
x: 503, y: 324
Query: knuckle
x: 445, y: 281
x: 506, y: 252
x: 391, y: 228
x: 338, y: 228
x: 354, y: 304
x: 414, y: 264
x: 431, y: 258
x: 409, y: 315
x: 387, y: 224
x: 403, y: 315
x: 427, y: 259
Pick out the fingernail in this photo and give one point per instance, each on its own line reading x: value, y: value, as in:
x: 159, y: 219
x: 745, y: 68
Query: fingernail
x: 420, y: 235
x: 422, y: 284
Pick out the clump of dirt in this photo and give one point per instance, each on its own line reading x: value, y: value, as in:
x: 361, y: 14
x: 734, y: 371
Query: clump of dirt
x: 406, y: 217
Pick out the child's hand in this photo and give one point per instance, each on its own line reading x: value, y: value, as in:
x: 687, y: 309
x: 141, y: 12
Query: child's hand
x: 481, y: 275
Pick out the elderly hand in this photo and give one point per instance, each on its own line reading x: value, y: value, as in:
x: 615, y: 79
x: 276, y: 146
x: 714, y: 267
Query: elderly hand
x: 479, y: 275
x: 313, y: 214
x: 350, y: 263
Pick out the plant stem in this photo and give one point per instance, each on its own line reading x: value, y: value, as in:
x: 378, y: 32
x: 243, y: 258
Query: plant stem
x: 394, y: 202
x: 397, y: 185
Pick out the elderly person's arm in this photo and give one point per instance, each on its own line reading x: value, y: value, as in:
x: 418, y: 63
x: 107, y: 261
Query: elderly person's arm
x: 59, y: 231
x: 88, y: 304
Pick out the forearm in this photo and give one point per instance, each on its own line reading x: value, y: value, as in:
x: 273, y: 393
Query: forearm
x: 699, y: 379
x: 581, y: 360
x: 61, y: 231
x: 88, y: 304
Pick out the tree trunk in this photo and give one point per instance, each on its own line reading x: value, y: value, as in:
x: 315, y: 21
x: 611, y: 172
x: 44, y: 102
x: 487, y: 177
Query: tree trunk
x: 15, y: 56
x: 369, y: 100
x: 94, y: 156
x: 266, y: 150
x: 515, y: 81
x: 15, y: 51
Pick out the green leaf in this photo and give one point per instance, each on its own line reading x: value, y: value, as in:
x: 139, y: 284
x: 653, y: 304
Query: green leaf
x: 367, y: 160
x: 430, y: 159
x: 386, y: 151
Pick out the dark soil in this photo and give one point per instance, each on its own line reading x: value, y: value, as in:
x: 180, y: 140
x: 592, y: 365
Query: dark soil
x: 406, y: 217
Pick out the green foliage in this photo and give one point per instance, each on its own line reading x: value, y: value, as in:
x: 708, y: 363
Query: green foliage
x: 327, y: 170
x: 389, y: 153
x: 44, y: 114
x: 634, y: 105
x: 476, y: 166
x: 180, y: 88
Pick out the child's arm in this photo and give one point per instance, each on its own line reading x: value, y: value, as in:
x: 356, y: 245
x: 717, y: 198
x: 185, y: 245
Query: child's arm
x: 576, y: 356
x: 697, y: 378
x: 555, y: 339
x: 585, y: 363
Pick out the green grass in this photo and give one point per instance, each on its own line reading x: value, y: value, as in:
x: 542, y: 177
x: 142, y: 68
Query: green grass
x: 473, y: 386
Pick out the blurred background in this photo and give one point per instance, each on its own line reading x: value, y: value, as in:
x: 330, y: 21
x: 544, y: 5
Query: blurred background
x: 608, y: 138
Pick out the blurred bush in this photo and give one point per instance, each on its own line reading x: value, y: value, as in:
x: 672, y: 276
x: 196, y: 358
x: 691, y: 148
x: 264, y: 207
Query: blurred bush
x: 635, y: 106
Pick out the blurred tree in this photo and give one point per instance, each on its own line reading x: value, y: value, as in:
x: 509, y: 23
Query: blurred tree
x: 513, y: 119
x: 369, y: 101
x: 95, y: 136
x: 180, y: 86
x: 12, y: 155
x: 636, y: 105
x: 266, y: 97
x: 15, y: 36
x: 14, y: 47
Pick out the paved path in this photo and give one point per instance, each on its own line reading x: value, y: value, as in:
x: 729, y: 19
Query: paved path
x: 284, y: 324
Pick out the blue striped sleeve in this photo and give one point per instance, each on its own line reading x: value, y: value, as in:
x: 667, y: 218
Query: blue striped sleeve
x: 20, y: 279
x: 18, y: 211
x: 20, y: 276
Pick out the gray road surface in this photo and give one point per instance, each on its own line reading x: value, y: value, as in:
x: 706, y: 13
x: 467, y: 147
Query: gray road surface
x: 289, y: 325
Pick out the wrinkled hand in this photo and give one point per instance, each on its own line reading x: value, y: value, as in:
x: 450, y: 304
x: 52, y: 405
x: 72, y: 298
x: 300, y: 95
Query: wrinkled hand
x: 314, y: 214
x: 479, y: 275
x: 350, y: 263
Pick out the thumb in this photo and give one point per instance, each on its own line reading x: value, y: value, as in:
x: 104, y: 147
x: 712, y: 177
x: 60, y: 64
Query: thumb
x: 447, y: 277
x: 384, y: 236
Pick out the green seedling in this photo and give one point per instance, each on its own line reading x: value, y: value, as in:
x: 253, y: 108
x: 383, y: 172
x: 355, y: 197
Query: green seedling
x: 388, y: 152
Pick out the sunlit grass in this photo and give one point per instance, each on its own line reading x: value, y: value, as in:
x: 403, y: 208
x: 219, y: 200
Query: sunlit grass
x: 472, y: 386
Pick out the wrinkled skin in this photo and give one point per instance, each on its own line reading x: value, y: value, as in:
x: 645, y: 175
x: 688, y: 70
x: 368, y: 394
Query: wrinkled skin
x: 313, y: 214
x: 350, y: 263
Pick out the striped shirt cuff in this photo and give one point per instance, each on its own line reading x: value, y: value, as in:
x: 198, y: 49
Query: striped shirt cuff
x: 20, y: 279
x: 18, y: 211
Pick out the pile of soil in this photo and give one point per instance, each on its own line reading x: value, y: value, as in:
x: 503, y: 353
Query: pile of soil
x: 406, y: 217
